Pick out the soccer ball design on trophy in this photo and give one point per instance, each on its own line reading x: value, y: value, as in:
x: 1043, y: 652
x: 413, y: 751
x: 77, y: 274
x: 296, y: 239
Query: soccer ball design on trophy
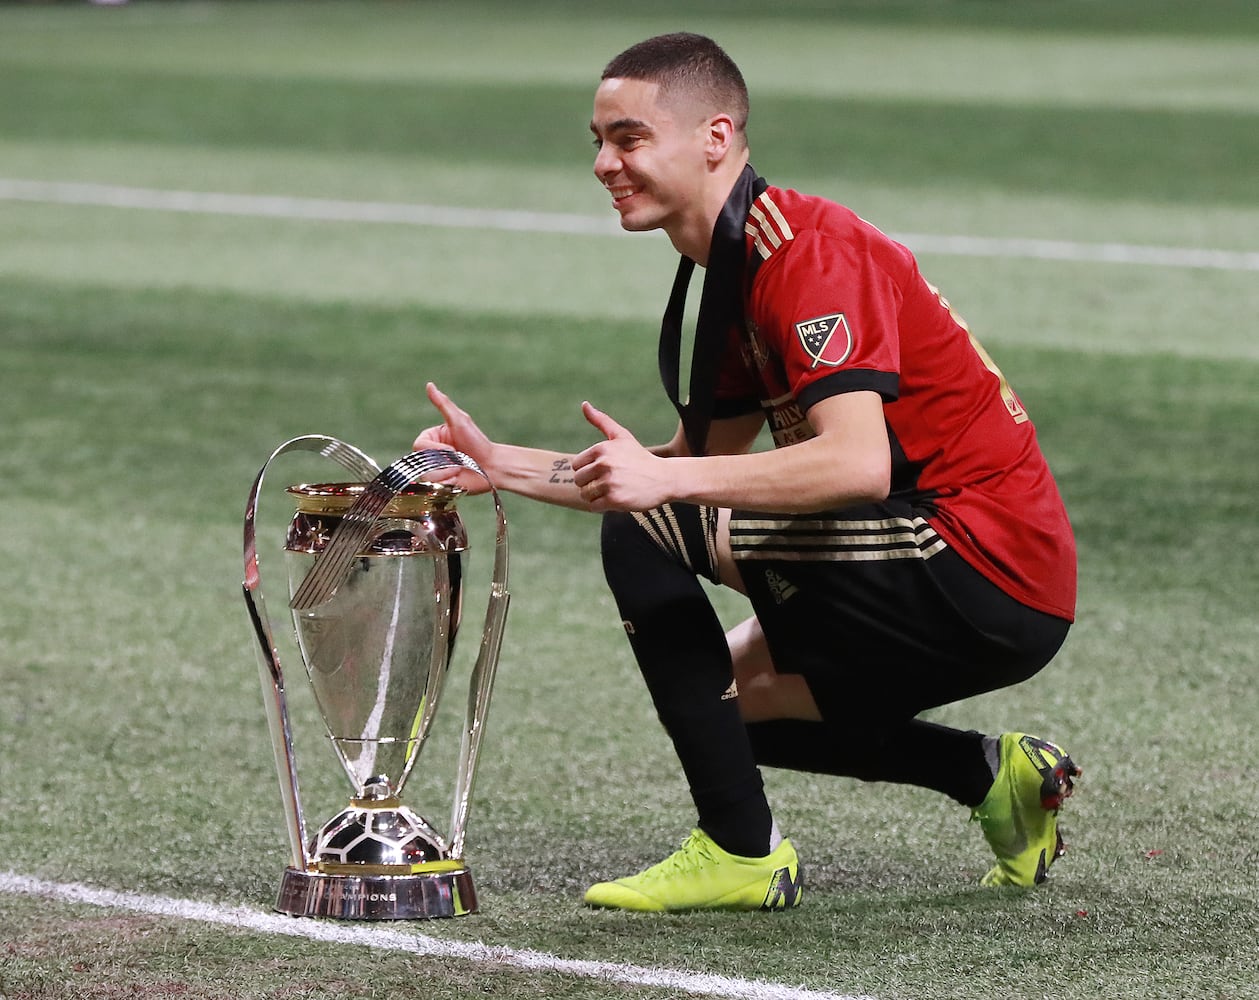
x: 395, y: 836
x: 376, y: 585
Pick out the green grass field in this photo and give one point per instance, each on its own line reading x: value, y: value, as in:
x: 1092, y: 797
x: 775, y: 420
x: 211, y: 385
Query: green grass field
x: 151, y: 359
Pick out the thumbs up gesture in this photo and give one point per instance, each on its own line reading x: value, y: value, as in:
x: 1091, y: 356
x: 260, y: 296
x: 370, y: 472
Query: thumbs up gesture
x: 618, y: 473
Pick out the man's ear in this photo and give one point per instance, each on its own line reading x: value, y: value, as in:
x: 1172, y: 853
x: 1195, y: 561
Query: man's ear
x: 720, y: 137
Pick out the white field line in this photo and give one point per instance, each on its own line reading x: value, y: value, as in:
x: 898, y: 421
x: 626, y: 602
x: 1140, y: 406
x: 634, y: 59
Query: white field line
x: 312, y: 209
x: 403, y: 213
x: 385, y: 939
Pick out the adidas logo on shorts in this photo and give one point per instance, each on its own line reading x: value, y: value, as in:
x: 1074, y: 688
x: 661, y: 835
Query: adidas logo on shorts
x: 782, y: 589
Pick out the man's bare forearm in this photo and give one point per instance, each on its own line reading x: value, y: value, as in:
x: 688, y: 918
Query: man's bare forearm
x: 536, y: 473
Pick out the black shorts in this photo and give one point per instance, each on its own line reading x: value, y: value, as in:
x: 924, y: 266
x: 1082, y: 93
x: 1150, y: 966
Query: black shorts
x: 892, y: 629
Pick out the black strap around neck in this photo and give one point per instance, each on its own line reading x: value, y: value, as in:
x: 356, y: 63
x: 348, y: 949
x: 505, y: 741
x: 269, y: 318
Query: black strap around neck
x: 720, y: 308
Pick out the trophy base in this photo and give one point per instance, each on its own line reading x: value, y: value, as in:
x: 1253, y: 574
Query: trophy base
x: 377, y: 897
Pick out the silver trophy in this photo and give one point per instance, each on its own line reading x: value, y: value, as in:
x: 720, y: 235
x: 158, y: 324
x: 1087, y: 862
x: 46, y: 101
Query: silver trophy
x: 376, y: 589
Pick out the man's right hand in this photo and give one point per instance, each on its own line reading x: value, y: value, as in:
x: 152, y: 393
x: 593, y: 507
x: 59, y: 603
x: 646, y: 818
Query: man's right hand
x: 460, y: 433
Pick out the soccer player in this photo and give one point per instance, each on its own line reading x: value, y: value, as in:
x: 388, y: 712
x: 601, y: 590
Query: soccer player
x: 903, y: 546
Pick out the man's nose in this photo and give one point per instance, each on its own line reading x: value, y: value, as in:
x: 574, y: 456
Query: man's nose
x: 606, y: 162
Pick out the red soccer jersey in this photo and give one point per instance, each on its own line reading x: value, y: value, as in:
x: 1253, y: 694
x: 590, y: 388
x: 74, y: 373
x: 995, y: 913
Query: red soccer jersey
x: 836, y: 306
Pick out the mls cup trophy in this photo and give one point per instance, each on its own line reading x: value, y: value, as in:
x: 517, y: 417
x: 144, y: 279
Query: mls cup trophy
x: 376, y: 591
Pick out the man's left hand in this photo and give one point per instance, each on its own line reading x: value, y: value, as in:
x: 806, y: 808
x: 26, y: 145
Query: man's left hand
x: 619, y: 473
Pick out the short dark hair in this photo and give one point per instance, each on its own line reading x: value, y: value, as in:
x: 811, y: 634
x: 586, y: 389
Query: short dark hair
x: 683, y: 61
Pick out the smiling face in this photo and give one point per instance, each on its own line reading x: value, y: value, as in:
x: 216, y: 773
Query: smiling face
x: 663, y: 162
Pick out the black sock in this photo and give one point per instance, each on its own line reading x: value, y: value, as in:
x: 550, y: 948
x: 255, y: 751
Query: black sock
x: 911, y: 752
x: 681, y: 650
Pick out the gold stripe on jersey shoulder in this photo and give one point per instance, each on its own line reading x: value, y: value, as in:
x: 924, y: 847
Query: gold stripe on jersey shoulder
x: 767, y: 226
x: 758, y: 240
x: 779, y: 218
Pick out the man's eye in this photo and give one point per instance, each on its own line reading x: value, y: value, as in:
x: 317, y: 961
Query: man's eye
x: 625, y: 143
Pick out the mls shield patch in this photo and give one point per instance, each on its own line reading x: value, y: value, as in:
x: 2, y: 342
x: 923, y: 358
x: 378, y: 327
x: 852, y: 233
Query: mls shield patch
x: 827, y: 339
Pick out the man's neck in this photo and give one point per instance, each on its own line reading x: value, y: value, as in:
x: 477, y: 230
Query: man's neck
x: 696, y: 241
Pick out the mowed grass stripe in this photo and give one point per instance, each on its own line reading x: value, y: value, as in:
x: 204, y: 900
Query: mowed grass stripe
x: 1119, y: 427
x: 1154, y: 18
x: 1173, y: 155
x: 778, y: 55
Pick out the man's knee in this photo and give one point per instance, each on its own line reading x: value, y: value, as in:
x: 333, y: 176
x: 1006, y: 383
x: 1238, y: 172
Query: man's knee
x: 680, y: 534
x: 618, y: 530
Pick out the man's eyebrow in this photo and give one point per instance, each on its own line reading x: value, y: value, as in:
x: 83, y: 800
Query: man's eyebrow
x: 620, y: 125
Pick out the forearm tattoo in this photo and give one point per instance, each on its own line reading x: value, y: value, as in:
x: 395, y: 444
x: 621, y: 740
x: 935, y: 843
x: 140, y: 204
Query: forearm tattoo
x: 562, y: 471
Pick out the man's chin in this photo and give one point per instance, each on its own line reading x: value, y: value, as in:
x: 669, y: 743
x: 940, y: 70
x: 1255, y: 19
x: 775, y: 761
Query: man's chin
x: 638, y: 224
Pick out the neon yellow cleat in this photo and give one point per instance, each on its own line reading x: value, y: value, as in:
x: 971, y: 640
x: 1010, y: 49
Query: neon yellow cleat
x: 701, y: 876
x: 1019, y: 816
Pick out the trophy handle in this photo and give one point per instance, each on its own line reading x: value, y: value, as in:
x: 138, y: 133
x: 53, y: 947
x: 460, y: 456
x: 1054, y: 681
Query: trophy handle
x: 482, y: 681
x: 481, y: 685
x: 270, y: 672
x: 354, y: 531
